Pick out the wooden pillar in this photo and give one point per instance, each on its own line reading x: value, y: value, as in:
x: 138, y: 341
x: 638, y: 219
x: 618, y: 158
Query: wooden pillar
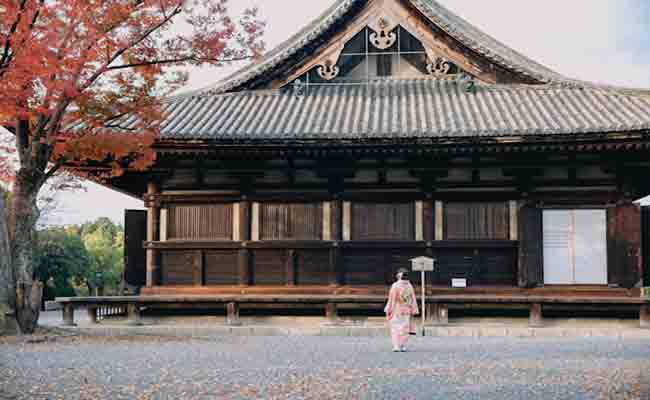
x: 536, y: 320
x: 336, y: 220
x: 68, y: 315
x: 432, y: 314
x: 290, y: 267
x: 197, y: 267
x: 133, y: 312
x: 244, y: 221
x: 514, y: 220
x: 327, y: 221
x: 236, y: 220
x: 244, y: 216
x: 331, y: 313
x: 163, y: 224
x: 152, y: 235
x: 347, y: 221
x: 333, y: 273
x: 443, y: 314
x: 255, y: 222
x: 243, y: 266
x: 439, y: 221
x: 419, y: 220
x: 92, y: 314
x: 644, y: 316
x: 232, y: 314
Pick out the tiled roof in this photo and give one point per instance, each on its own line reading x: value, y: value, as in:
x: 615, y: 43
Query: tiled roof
x: 404, y: 108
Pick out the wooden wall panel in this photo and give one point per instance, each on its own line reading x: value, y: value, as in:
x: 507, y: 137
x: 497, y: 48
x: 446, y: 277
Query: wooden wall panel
x: 383, y: 221
x: 530, y: 264
x: 313, y: 267
x: 221, y: 268
x: 476, y: 221
x: 482, y: 266
x: 135, y: 233
x: 364, y: 267
x: 645, y: 245
x: 200, y: 222
x: 177, y: 267
x: 497, y: 267
x: 291, y: 221
x: 269, y: 267
x: 454, y: 263
x: 429, y: 220
x: 624, y: 245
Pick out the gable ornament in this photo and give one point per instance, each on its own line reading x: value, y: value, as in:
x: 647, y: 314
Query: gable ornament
x: 439, y: 66
x: 383, y: 38
x: 328, y: 70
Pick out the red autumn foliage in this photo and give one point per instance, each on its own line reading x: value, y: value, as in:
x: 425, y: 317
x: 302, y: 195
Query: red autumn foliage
x: 70, y: 68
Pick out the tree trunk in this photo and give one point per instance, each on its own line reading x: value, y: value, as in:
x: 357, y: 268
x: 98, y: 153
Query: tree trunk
x: 23, y: 221
x: 7, y: 318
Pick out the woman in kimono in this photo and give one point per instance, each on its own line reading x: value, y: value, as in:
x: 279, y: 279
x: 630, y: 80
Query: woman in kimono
x: 401, y: 305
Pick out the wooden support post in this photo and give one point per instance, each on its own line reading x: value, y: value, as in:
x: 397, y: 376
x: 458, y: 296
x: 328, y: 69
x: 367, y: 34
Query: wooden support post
x: 255, y: 222
x: 133, y: 312
x: 331, y: 313
x: 244, y: 221
x: 243, y: 265
x: 92, y: 314
x: 443, y: 314
x: 333, y: 272
x: 536, y: 320
x: 152, y: 235
x: 163, y: 224
x: 290, y: 266
x: 432, y: 314
x: 327, y: 220
x: 439, y: 221
x: 644, y: 316
x: 347, y: 221
x: 68, y: 315
x: 197, y: 268
x: 232, y: 317
x: 419, y: 220
x: 236, y: 220
x: 514, y: 220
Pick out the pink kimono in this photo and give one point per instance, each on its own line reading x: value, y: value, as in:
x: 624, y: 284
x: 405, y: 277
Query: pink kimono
x: 402, y: 304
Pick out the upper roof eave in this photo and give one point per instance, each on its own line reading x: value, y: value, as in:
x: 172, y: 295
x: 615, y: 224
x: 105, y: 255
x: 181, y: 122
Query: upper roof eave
x: 458, y: 28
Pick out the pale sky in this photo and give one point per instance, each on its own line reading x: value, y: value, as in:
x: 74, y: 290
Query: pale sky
x: 606, y: 41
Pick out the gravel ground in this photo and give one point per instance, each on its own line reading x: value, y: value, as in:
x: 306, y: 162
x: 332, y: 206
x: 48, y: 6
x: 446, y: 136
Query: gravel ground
x: 323, y: 368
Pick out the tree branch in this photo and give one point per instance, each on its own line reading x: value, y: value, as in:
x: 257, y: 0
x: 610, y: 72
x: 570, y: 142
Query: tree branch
x: 177, y: 60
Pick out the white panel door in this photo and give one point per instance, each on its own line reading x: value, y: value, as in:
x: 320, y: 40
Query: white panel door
x: 558, y: 262
x: 590, y: 247
x: 575, y: 247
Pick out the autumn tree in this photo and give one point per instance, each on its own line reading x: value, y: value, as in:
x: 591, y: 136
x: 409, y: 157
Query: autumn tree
x: 70, y: 69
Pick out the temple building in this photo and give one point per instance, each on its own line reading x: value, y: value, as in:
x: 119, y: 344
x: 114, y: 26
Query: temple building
x: 383, y: 131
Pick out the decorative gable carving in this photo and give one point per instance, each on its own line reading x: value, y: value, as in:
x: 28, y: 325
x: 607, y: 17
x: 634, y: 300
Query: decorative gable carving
x: 383, y: 18
x: 382, y: 36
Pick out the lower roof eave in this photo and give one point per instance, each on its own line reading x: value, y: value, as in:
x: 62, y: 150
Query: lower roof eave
x: 632, y: 140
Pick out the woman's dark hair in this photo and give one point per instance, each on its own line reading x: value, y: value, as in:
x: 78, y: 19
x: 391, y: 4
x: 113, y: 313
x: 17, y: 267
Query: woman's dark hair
x: 404, y: 272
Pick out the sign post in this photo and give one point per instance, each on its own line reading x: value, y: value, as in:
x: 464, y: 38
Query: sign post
x: 422, y: 264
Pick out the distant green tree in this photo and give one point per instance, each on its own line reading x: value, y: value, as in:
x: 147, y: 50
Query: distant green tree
x: 80, y: 259
x: 60, y: 261
x: 105, y: 243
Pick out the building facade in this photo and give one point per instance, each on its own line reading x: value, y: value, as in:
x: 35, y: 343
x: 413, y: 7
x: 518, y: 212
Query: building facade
x: 383, y: 131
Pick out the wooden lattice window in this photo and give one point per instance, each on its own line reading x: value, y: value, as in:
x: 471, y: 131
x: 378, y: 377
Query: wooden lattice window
x: 476, y: 221
x: 291, y: 221
x: 200, y: 222
x: 383, y: 221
